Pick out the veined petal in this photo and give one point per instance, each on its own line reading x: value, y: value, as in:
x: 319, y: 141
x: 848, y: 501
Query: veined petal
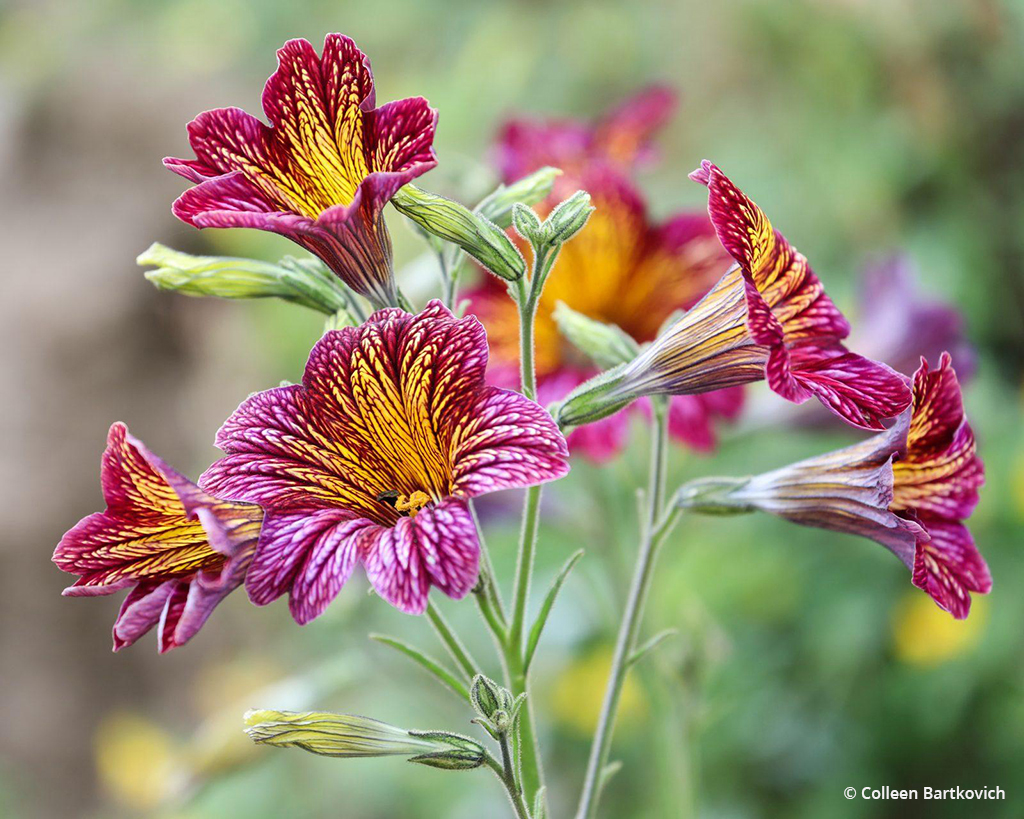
x: 624, y: 134
x: 949, y: 566
x: 370, y: 457
x: 182, y: 549
x: 439, y: 547
x: 941, y: 472
x: 321, y: 173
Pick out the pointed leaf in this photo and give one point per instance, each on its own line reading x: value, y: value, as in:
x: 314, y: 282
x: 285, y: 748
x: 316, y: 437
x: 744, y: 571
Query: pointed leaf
x: 545, y: 609
x: 433, y: 666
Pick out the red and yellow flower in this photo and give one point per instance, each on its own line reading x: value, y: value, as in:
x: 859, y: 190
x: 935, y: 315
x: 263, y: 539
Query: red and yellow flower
x: 373, y: 458
x: 621, y: 268
x: 180, y: 549
x: 323, y: 169
x: 910, y: 488
x: 767, y: 318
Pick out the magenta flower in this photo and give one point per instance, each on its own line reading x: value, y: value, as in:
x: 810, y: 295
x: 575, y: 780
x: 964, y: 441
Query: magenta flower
x: 181, y: 550
x: 373, y: 458
x: 910, y: 488
x: 768, y: 318
x: 624, y: 268
x: 619, y: 139
x: 323, y: 169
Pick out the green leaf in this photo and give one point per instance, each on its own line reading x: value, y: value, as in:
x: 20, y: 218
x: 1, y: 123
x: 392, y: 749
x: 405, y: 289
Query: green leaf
x: 650, y: 644
x: 545, y: 609
x: 431, y: 665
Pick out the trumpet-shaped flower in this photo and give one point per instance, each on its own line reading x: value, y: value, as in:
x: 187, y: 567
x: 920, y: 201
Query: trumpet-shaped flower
x: 373, y: 458
x: 180, y: 549
x: 323, y: 169
x: 767, y: 318
x: 910, y: 488
x: 621, y: 268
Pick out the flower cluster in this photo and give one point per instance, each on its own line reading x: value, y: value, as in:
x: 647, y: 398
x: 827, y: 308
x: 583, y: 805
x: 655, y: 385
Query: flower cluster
x: 622, y: 268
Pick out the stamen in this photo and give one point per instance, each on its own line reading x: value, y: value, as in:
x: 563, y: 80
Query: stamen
x: 411, y: 504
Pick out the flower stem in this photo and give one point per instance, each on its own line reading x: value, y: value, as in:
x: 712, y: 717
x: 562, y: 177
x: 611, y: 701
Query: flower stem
x: 506, y: 775
x: 451, y: 641
x: 653, y: 533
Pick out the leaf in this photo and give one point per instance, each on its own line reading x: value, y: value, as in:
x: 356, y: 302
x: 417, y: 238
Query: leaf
x: 657, y: 639
x: 545, y: 609
x: 433, y: 666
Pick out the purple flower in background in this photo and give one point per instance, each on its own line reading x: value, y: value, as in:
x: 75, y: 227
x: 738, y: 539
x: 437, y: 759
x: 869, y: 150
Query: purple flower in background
x: 181, y: 550
x: 897, y: 325
x: 322, y: 171
x: 373, y: 458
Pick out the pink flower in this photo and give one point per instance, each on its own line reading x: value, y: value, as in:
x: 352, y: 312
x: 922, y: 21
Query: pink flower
x: 767, y: 318
x: 910, y: 488
x: 323, y: 169
x: 180, y: 549
x: 373, y: 458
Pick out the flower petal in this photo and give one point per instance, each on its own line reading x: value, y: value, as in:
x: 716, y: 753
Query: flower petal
x: 624, y: 134
x: 506, y: 441
x: 949, y: 566
x: 438, y: 547
x: 140, y: 611
x: 309, y: 553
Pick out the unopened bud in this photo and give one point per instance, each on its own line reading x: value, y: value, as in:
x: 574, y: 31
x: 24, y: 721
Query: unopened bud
x: 527, y: 223
x: 485, y: 695
x: 327, y: 734
x: 475, y: 234
x: 454, y: 752
x: 568, y: 218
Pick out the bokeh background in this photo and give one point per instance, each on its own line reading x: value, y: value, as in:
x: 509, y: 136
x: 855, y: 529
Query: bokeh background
x: 806, y: 663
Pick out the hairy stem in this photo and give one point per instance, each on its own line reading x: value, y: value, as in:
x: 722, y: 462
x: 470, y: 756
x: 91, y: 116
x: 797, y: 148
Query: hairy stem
x: 652, y: 535
x: 451, y: 641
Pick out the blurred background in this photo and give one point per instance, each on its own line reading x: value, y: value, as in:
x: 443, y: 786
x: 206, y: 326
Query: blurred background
x: 805, y: 662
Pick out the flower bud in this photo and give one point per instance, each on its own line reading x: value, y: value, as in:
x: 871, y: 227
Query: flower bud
x: 605, y: 344
x: 527, y: 223
x: 486, y: 696
x: 568, y: 218
x: 456, y: 752
x: 529, y: 190
x: 234, y: 278
x: 593, y: 400
x: 340, y: 735
x: 475, y: 234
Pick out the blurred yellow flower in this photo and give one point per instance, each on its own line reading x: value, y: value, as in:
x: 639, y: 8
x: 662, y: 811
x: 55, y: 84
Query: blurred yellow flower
x: 134, y: 760
x: 576, y: 700
x: 925, y: 635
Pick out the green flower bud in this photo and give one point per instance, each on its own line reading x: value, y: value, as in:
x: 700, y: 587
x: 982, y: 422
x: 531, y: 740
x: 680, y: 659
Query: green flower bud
x: 527, y: 223
x: 568, y: 218
x: 601, y: 396
x: 605, y: 344
x: 328, y: 734
x: 475, y: 234
x: 486, y: 696
x: 227, y: 277
x: 457, y: 752
x: 529, y: 190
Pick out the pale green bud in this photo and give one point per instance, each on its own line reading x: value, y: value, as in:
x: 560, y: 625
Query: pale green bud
x: 235, y: 278
x: 568, y: 218
x: 527, y: 223
x: 486, y: 696
x: 327, y: 734
x: 528, y: 191
x: 475, y: 234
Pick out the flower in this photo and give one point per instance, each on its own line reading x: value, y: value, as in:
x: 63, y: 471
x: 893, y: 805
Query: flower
x: 899, y: 326
x: 323, y: 169
x: 910, y: 488
x: 623, y: 270
x: 180, y: 549
x: 768, y: 317
x: 618, y: 139
x: 374, y: 457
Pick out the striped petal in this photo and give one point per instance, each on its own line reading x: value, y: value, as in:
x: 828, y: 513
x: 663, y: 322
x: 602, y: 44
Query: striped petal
x: 323, y: 169
x: 392, y: 421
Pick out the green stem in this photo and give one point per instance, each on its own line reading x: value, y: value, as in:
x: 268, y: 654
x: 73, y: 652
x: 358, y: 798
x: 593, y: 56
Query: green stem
x: 456, y: 649
x: 653, y: 533
x: 506, y: 776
